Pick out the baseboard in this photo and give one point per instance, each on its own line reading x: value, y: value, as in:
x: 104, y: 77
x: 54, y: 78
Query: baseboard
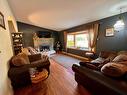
x: 75, y: 56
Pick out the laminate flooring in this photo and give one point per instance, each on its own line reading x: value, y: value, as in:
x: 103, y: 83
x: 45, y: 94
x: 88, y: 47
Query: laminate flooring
x: 59, y: 82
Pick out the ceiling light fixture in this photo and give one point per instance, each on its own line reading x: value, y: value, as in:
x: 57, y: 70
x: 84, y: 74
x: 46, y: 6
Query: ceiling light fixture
x: 120, y: 23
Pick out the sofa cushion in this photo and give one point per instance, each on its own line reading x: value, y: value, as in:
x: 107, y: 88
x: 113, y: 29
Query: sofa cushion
x: 24, y: 56
x: 123, y: 62
x: 105, y: 54
x: 122, y: 52
x: 114, y: 69
x: 111, y: 57
x: 120, y: 58
x: 18, y: 61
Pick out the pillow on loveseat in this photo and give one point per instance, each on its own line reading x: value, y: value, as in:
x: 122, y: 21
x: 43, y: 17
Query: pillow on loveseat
x: 122, y: 52
x: 108, y: 59
x: 24, y: 56
x: 20, y: 59
x: 32, y: 50
x: 120, y: 58
x: 114, y: 69
x: 104, y: 58
x: 95, y: 64
x: 98, y: 60
x: 111, y: 57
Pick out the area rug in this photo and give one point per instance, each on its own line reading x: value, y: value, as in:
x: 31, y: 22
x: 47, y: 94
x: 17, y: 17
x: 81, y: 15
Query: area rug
x: 65, y: 61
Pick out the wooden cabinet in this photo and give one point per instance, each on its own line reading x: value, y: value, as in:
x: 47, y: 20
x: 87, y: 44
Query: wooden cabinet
x: 17, y: 42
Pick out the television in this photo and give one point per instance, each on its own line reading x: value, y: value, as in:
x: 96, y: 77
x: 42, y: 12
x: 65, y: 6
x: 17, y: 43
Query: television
x: 44, y: 34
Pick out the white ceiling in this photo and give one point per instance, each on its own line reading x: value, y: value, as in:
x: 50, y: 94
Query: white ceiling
x: 63, y: 14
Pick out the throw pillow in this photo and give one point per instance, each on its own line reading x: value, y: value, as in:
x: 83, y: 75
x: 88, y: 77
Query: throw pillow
x: 122, y: 52
x: 26, y: 51
x: 18, y: 61
x: 102, y: 64
x: 120, y: 58
x: 98, y: 60
x: 32, y: 50
x: 114, y: 69
x: 44, y: 57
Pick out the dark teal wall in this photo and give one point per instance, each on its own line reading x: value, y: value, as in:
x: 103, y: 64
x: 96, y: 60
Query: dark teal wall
x: 116, y: 43
x: 29, y: 30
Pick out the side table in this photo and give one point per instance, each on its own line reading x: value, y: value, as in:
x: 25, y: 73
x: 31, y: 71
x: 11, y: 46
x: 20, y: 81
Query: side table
x: 39, y: 76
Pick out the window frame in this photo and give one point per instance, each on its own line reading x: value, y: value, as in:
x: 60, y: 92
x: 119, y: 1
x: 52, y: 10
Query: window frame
x: 77, y: 33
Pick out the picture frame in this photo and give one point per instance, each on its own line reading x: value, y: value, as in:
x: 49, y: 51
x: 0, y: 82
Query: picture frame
x: 2, y: 22
x: 109, y: 32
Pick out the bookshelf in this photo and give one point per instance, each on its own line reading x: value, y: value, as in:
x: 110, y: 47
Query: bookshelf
x: 17, y: 38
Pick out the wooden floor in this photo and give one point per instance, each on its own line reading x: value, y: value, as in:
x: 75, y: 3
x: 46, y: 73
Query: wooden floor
x: 60, y: 82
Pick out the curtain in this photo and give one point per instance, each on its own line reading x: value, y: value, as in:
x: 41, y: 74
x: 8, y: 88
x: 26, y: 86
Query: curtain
x: 93, y: 34
x: 65, y: 41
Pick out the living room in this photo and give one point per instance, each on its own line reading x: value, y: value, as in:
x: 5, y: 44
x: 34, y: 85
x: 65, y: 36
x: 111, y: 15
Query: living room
x: 58, y: 30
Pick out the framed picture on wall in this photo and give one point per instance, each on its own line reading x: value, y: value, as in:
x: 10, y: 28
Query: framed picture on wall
x: 2, y: 23
x: 109, y: 32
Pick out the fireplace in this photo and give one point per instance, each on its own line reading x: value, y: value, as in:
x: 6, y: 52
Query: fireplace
x: 44, y: 47
x: 44, y: 43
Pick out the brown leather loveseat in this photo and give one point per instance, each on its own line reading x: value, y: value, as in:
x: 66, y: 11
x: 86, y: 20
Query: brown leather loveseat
x: 103, y: 78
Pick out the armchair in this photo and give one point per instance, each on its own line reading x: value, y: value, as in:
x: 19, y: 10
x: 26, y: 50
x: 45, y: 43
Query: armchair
x: 20, y: 76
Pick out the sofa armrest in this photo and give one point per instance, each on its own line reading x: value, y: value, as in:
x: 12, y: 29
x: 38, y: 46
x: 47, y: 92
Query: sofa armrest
x: 13, y: 71
x: 105, y: 85
x: 19, y: 76
x: 34, y: 57
x: 89, y: 65
x: 17, y: 71
x: 39, y: 63
x: 83, y: 63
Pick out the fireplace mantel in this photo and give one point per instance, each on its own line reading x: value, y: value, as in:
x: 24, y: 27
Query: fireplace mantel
x: 44, y: 42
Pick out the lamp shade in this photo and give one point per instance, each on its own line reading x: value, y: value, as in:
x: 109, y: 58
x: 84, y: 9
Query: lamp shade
x: 119, y: 24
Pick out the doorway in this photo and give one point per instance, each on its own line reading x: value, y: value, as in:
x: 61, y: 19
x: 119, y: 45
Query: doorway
x: 11, y: 30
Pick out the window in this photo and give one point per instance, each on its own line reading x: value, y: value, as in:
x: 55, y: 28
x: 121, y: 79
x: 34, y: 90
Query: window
x: 70, y: 41
x: 79, y: 40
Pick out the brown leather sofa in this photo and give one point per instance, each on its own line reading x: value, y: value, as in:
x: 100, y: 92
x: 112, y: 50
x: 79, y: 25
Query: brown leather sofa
x: 20, y: 76
x: 98, y: 83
